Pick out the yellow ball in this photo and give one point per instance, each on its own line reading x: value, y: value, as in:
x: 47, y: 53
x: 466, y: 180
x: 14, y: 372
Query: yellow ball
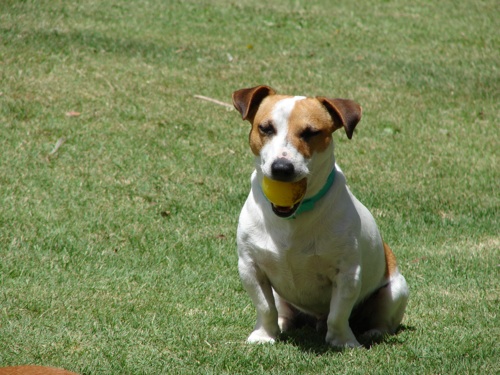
x: 284, y: 194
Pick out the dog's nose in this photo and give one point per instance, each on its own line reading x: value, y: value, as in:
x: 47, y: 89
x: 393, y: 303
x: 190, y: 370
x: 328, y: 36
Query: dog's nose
x: 283, y: 170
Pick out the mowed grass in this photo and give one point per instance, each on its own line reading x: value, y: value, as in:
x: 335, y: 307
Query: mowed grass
x: 120, y: 191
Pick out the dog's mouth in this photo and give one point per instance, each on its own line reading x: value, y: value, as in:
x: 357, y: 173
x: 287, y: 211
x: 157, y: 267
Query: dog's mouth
x: 284, y: 212
x: 284, y: 197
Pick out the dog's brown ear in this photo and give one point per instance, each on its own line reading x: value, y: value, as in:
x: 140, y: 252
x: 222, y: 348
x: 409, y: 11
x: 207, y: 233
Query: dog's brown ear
x: 246, y: 101
x: 345, y: 113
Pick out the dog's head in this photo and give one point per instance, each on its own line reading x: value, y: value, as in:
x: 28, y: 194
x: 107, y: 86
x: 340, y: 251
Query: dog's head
x: 291, y: 136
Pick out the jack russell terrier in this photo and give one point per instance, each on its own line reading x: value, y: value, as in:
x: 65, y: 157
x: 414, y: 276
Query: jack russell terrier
x: 322, y: 255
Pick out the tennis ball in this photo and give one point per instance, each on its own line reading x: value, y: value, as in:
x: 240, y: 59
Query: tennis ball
x: 284, y: 194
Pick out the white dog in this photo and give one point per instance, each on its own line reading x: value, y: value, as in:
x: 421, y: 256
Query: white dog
x: 324, y: 255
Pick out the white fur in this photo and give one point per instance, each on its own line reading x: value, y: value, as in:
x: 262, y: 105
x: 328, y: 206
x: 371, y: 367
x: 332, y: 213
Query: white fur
x: 323, y: 262
x: 280, y: 146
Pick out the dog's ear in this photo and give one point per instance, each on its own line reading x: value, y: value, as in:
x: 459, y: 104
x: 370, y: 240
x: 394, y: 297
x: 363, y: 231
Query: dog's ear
x: 246, y: 101
x: 345, y: 113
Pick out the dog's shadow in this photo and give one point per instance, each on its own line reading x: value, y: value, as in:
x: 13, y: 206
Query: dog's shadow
x: 312, y: 340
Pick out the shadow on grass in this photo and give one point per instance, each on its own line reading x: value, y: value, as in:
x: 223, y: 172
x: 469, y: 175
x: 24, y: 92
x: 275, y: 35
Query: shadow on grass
x: 308, y: 339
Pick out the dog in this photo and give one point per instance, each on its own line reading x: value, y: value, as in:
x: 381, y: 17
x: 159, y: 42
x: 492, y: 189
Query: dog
x: 323, y: 256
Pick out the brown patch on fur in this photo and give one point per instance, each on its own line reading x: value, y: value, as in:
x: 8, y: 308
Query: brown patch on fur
x: 390, y: 261
x: 312, y: 120
x: 247, y: 101
x: 345, y: 113
x: 34, y: 370
x: 309, y: 114
x: 256, y: 139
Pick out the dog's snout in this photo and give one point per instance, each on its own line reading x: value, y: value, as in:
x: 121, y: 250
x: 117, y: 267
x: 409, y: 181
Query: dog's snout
x: 283, y: 170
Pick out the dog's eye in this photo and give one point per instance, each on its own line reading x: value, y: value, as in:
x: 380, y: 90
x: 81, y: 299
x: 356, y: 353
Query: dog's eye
x: 308, y: 133
x: 267, y: 129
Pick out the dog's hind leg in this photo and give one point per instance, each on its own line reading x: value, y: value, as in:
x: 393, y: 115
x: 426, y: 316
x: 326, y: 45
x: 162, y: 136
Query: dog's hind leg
x: 287, y: 314
x: 383, y: 311
x: 389, y: 301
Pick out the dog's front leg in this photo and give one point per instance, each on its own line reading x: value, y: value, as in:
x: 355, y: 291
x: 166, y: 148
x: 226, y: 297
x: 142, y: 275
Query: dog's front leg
x: 259, y: 288
x: 344, y: 297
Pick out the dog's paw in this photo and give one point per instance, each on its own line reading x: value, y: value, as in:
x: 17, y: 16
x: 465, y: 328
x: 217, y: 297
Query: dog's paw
x: 344, y: 344
x: 342, y: 341
x: 260, y: 336
x: 376, y: 333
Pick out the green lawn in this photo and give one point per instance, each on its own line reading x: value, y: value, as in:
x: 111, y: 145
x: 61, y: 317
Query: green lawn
x: 120, y: 191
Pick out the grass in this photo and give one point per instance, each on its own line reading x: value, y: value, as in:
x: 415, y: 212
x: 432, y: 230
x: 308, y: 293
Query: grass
x: 117, y: 250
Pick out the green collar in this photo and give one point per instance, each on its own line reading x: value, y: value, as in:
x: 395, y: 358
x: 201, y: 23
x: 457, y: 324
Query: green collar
x: 308, y: 204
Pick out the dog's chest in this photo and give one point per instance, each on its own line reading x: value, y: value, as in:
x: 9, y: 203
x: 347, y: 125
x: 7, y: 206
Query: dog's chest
x: 303, y: 274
